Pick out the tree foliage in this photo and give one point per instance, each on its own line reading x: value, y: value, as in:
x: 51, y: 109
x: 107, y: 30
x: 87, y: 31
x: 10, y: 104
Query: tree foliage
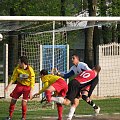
x: 42, y: 7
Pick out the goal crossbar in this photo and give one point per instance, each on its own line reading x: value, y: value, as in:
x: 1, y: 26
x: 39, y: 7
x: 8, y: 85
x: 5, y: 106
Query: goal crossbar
x: 57, y: 18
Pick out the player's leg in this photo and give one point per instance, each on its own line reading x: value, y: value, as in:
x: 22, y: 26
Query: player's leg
x: 57, y: 86
x: 89, y: 101
x: 24, y: 109
x: 73, y: 108
x: 60, y: 110
x: 48, y: 93
x: 16, y: 93
x: 73, y: 89
x: 11, y: 109
x: 25, y: 92
x: 61, y: 92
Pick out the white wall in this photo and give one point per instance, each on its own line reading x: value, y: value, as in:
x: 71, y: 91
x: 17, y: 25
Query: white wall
x: 36, y: 89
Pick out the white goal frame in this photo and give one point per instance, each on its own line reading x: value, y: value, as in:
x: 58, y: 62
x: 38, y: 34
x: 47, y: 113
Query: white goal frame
x: 57, y: 18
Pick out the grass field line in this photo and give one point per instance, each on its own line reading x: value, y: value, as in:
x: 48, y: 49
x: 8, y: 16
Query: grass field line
x: 77, y: 116
x: 96, y: 115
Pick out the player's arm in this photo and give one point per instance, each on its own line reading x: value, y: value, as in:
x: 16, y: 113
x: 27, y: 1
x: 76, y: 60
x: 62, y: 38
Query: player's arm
x: 13, y: 79
x: 93, y: 84
x: 46, y: 84
x: 69, y: 74
x: 6, y: 88
x: 66, y: 75
x: 32, y: 79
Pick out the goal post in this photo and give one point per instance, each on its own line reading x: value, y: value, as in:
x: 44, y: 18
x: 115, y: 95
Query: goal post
x: 5, y: 62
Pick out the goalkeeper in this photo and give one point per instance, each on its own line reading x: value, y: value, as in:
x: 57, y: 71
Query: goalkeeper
x: 74, y: 70
x: 53, y: 83
x: 25, y: 77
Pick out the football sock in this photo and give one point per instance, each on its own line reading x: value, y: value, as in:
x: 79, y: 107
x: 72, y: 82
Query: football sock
x: 24, y: 111
x: 60, y: 109
x: 71, y: 112
x: 90, y: 102
x: 58, y: 99
x: 11, y: 109
x: 48, y: 95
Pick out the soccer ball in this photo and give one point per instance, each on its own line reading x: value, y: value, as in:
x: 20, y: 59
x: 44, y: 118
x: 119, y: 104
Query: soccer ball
x: 1, y: 37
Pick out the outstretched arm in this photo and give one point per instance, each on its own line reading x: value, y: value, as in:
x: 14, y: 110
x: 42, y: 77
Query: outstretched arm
x: 66, y: 75
x: 46, y: 84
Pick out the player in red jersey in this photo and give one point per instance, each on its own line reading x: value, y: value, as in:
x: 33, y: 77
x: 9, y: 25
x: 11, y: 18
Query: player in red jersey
x: 78, y: 67
x: 75, y: 86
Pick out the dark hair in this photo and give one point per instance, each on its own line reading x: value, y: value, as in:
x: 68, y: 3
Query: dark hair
x: 44, y: 72
x: 76, y: 55
x: 24, y: 60
x: 97, y: 68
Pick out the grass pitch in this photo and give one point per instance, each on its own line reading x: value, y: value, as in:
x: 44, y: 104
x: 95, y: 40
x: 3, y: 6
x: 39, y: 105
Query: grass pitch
x: 110, y: 110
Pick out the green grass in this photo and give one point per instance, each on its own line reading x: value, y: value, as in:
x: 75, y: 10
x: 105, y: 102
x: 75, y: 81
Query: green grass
x: 110, y: 106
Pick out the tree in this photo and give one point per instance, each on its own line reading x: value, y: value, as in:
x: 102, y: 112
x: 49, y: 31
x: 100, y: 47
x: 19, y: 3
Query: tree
x: 89, y: 58
x: 13, y: 46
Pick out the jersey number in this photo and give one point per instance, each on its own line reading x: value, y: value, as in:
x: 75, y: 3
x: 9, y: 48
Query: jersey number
x: 85, y: 75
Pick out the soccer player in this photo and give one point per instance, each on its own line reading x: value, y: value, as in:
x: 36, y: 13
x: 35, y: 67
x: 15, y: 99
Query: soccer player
x: 75, y: 70
x: 84, y: 92
x: 82, y: 80
x: 53, y: 83
x: 25, y: 77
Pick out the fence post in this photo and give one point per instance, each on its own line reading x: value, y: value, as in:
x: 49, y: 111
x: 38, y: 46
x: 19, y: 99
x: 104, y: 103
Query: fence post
x: 5, y: 58
x: 98, y: 55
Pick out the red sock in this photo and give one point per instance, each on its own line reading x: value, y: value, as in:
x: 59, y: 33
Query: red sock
x: 24, y: 111
x: 48, y: 95
x: 60, y: 109
x: 11, y: 109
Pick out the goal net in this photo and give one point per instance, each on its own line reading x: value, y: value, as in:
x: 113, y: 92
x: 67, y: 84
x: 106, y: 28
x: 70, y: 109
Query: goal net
x: 43, y: 53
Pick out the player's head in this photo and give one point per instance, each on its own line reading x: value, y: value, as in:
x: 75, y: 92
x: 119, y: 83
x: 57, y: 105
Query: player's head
x: 23, y: 61
x: 97, y: 68
x: 43, y: 72
x: 75, y: 59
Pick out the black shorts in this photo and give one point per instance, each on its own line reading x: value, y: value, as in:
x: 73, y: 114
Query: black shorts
x: 73, y: 90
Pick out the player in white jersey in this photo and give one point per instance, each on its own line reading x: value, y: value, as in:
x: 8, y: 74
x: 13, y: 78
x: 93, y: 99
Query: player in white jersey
x: 75, y: 70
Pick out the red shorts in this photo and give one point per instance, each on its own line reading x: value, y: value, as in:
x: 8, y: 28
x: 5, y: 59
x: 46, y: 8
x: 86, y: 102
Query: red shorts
x: 21, y: 90
x: 61, y: 87
x: 87, y: 88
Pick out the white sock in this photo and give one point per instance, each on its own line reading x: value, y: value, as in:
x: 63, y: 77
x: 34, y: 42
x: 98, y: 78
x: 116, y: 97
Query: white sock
x: 57, y: 99
x: 71, y: 112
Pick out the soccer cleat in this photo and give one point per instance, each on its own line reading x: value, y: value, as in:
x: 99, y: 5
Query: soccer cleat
x: 8, y: 118
x: 97, y: 110
x: 47, y: 104
x: 74, y: 114
x: 23, y: 119
x: 43, y: 100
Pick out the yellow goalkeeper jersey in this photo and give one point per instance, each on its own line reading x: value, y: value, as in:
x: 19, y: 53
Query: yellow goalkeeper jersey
x: 48, y: 80
x: 29, y: 72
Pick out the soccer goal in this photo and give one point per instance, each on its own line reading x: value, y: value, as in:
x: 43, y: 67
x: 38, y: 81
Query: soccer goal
x: 49, y: 44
